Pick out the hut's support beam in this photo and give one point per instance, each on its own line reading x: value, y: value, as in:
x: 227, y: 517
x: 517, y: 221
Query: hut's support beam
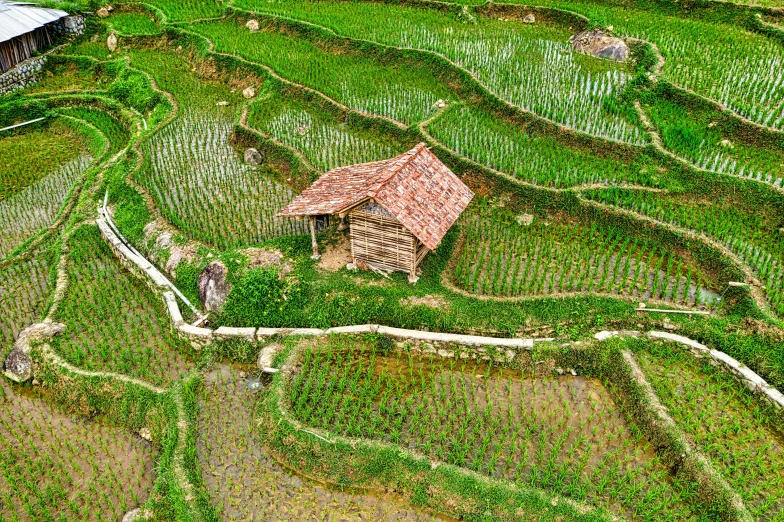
x: 342, y: 224
x: 316, y: 254
x: 412, y: 277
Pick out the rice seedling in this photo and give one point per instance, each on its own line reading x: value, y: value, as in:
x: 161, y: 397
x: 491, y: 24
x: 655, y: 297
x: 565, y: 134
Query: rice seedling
x: 325, y: 140
x: 726, y: 423
x: 537, y: 159
x: 54, y: 466
x: 189, y: 10
x: 34, y: 208
x: 198, y: 180
x: 746, y: 234
x: 504, y: 258
x: 563, y: 434
x: 406, y: 92
x: 529, y: 65
x: 245, y: 481
x: 709, y: 140
x: 24, y: 292
x: 114, y: 323
x: 135, y: 23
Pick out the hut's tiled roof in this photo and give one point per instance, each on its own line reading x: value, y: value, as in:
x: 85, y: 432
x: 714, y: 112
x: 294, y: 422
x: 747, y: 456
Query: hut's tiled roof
x: 17, y: 19
x: 415, y: 187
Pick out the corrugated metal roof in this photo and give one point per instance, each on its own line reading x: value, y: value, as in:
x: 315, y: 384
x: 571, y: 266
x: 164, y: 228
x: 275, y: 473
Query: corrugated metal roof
x: 18, y: 19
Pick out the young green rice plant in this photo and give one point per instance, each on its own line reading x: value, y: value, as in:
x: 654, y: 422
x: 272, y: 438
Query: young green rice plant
x: 24, y: 292
x: 113, y: 322
x: 325, y: 140
x: 36, y: 206
x: 723, y: 219
x: 404, y: 91
x: 245, y: 481
x: 199, y: 181
x: 502, y: 257
x: 529, y: 65
x: 537, y: 159
x: 562, y: 434
x: 189, y: 10
x: 725, y: 421
x: 55, y: 466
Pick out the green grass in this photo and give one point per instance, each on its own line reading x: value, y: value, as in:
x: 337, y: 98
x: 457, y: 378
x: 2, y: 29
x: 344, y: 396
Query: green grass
x: 406, y: 92
x: 529, y: 65
x: 113, y: 322
x: 134, y: 23
x: 725, y: 421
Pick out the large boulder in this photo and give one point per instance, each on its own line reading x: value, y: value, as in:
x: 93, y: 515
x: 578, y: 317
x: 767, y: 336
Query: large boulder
x: 213, y: 286
x: 254, y: 157
x: 18, y: 366
x: 111, y: 42
x: 252, y: 26
x: 599, y: 44
x: 249, y: 92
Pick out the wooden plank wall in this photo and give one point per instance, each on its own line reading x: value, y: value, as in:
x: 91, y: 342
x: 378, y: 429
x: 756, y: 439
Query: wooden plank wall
x: 19, y: 49
x: 381, y: 241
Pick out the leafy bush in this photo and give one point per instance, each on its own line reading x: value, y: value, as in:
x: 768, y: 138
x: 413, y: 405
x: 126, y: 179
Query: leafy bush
x: 261, y: 299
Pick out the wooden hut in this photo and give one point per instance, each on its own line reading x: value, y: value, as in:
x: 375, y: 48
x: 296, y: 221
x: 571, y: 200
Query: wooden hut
x: 25, y: 30
x: 398, y: 209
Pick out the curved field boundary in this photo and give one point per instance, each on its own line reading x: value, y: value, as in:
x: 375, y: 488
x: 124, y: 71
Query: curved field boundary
x: 207, y: 335
x: 408, y: 470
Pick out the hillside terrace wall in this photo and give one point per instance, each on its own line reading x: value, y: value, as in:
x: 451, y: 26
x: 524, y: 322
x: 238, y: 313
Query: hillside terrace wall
x: 202, y: 336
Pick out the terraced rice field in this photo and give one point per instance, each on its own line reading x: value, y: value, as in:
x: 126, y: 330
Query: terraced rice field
x: 504, y: 258
x: 55, y: 466
x: 560, y: 433
x: 113, y: 322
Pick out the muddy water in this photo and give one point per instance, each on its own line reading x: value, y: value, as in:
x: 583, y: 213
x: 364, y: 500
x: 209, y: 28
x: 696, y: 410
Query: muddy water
x: 246, y: 484
x: 53, y: 464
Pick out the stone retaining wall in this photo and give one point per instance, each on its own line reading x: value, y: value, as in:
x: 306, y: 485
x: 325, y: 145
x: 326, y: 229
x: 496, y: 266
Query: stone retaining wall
x: 27, y: 73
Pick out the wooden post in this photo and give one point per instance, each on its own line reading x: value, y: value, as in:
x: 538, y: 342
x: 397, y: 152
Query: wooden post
x: 412, y: 277
x: 316, y: 254
x: 342, y: 224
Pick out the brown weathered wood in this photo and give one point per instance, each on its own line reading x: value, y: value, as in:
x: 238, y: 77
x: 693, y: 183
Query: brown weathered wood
x: 314, y: 243
x: 381, y: 241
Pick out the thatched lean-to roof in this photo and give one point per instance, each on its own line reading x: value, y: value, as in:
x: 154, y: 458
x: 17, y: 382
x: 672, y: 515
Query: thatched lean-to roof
x: 415, y: 187
x: 24, y: 30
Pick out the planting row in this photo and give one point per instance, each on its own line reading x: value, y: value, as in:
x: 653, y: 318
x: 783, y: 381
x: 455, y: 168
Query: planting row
x: 113, y: 322
x: 505, y: 258
x: 55, y: 466
x: 725, y: 421
x: 563, y: 434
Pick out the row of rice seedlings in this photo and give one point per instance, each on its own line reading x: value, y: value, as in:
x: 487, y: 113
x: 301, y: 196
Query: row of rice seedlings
x: 246, y: 483
x: 57, y: 467
x: 404, y: 92
x: 540, y: 160
x: 725, y: 422
x: 35, y: 207
x: 741, y: 232
x: 740, y: 69
x: 506, y: 259
x: 202, y: 185
x: 114, y: 323
x: 189, y: 10
x: 701, y: 140
x: 114, y: 130
x: 24, y: 293
x: 532, y: 66
x: 327, y: 142
x: 565, y: 435
x: 134, y: 23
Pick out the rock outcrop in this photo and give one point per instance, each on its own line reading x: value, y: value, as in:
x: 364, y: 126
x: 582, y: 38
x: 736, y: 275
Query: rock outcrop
x: 597, y: 43
x: 213, y: 286
x: 254, y: 157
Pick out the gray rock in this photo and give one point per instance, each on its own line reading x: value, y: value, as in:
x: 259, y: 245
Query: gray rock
x: 18, y: 366
x: 111, y: 43
x: 529, y: 18
x: 135, y: 515
x: 601, y: 45
x: 249, y: 92
x: 254, y: 157
x: 213, y: 286
x: 102, y: 12
x: 252, y: 25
